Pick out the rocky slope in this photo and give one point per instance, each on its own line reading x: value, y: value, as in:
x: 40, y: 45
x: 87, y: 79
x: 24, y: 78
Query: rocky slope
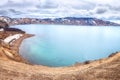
x: 104, y: 69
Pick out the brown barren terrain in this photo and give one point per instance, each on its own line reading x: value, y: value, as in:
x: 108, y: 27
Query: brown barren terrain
x: 103, y: 69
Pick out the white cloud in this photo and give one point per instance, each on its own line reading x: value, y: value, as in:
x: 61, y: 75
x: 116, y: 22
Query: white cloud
x: 61, y: 8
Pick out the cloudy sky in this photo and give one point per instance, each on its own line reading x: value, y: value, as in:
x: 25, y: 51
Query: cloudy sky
x: 105, y: 9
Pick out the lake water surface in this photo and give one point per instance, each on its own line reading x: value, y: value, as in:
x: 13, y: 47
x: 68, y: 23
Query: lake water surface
x: 64, y: 45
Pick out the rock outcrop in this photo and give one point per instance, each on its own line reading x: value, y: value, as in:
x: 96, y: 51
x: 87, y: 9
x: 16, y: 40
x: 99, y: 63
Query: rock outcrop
x: 3, y: 24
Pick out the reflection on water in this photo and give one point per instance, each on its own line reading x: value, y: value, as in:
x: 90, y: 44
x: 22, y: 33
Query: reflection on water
x: 63, y: 45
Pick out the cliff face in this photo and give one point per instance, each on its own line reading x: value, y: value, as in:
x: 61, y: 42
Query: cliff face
x: 9, y: 44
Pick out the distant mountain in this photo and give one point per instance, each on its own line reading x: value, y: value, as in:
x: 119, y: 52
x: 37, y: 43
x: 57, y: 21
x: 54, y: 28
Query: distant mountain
x: 63, y: 21
x: 84, y: 21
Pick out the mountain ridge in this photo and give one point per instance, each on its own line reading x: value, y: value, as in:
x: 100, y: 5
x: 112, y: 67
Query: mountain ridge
x: 82, y: 21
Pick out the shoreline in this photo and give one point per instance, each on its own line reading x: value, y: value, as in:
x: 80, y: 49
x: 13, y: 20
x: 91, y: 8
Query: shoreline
x: 18, y: 42
x: 14, y: 67
x: 16, y: 45
x: 19, y: 69
x: 13, y: 52
x: 19, y: 58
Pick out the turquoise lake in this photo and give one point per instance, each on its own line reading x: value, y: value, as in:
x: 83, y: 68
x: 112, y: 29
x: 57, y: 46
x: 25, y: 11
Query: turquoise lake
x: 64, y: 45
